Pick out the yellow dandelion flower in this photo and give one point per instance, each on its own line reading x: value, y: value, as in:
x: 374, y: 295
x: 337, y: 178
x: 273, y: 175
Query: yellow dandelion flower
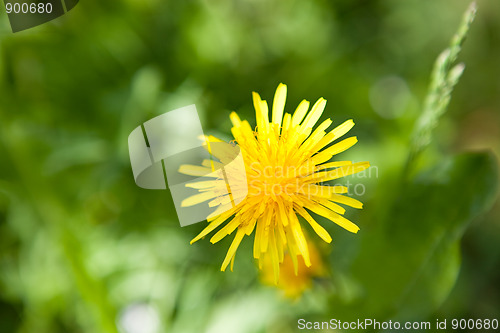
x: 287, y: 164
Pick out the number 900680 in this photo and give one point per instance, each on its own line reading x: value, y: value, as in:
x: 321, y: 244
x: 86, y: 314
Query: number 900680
x: 24, y: 8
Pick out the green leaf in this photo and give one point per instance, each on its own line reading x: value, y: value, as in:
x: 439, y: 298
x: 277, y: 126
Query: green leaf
x: 407, y: 265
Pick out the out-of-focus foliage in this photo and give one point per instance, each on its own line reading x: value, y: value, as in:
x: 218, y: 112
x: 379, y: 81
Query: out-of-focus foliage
x: 83, y: 249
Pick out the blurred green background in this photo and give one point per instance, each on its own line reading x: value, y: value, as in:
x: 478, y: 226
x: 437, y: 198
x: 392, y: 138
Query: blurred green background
x: 83, y: 249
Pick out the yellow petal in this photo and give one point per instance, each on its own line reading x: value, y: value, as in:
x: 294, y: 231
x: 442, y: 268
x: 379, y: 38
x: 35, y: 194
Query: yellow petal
x: 323, y: 191
x: 226, y: 230
x: 195, y: 170
x: 235, y: 119
x: 264, y: 242
x: 217, y: 222
x: 198, y: 198
x: 212, y: 164
x: 205, y: 184
x: 332, y: 206
x: 344, y: 171
x: 343, y: 222
x: 232, y: 262
x: 283, y: 219
x: 250, y: 226
x: 334, y: 134
x: 315, y: 114
x: 232, y: 249
x: 316, y: 227
x: 286, y: 122
x: 305, y: 149
x: 274, y: 255
x: 333, y: 165
x: 300, y: 112
x: 341, y: 146
x: 212, y: 138
x: 342, y: 128
x: 321, y: 157
x: 279, y: 103
x: 293, y: 254
x: 300, y: 239
x: 258, y: 237
x: 280, y: 242
x: 225, y: 211
x: 347, y: 201
x: 261, y: 113
x: 319, y: 132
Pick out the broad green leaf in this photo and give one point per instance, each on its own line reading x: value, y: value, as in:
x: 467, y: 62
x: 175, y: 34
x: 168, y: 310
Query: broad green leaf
x: 408, y: 264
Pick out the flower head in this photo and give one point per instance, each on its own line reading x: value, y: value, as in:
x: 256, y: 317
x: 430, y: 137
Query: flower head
x: 287, y: 162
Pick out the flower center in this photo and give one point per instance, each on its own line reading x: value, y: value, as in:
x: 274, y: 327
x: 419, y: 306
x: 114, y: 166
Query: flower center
x: 274, y: 181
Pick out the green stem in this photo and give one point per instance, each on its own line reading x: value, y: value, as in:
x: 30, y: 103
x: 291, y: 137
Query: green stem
x: 445, y: 75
